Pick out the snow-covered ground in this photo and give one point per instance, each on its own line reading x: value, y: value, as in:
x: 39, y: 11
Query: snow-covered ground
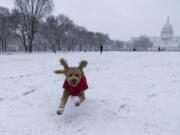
x: 130, y: 93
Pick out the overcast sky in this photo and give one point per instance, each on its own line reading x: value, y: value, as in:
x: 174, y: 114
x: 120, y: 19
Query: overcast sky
x: 121, y: 19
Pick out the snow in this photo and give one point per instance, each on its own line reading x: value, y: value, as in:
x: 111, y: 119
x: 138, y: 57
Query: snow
x: 130, y: 93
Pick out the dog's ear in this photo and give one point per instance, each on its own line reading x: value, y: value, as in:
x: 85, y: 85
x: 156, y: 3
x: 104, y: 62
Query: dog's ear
x: 64, y: 63
x: 82, y: 64
x: 59, y: 71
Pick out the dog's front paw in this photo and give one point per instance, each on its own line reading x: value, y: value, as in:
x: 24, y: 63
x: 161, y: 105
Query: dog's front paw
x: 60, y: 111
x: 77, y: 103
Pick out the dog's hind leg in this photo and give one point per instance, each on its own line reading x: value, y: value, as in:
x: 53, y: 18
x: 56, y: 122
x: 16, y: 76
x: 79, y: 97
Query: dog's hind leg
x: 81, y: 97
x: 63, y: 102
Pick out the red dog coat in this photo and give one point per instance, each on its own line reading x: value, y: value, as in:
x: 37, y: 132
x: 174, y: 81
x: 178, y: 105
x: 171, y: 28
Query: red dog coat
x: 74, y: 91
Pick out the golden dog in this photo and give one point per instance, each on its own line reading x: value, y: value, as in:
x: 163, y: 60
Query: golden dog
x: 74, y: 85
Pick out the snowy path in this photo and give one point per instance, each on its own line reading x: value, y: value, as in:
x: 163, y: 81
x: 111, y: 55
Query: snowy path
x: 129, y: 94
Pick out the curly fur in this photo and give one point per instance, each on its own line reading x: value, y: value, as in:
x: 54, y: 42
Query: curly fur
x: 59, y: 72
x: 82, y: 64
x: 73, y: 71
x: 64, y: 63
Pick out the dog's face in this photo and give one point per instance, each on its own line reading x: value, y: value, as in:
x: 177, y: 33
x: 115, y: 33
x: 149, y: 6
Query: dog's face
x: 73, y: 74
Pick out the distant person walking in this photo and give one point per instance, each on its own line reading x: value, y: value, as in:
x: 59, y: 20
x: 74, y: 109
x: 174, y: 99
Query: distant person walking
x: 159, y: 49
x: 101, y: 49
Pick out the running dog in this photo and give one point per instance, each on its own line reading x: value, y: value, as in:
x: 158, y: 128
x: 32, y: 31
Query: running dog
x: 74, y: 85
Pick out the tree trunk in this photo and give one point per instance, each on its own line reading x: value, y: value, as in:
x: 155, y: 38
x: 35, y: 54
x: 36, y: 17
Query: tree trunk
x: 30, y: 49
x: 0, y: 48
x: 30, y: 45
x: 54, y: 49
x: 5, y: 46
x: 26, y: 48
x: 59, y: 46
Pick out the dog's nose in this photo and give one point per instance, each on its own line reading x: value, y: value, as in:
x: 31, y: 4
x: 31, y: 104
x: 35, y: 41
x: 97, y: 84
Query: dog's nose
x: 73, y: 81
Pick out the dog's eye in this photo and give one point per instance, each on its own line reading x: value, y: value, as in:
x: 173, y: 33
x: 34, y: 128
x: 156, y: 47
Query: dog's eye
x: 70, y: 75
x: 76, y: 75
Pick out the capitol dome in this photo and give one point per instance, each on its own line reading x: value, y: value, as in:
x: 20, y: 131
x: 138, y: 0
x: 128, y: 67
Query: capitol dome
x: 167, y: 31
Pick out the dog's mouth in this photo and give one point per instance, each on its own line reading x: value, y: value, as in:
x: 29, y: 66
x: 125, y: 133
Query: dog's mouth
x: 73, y: 83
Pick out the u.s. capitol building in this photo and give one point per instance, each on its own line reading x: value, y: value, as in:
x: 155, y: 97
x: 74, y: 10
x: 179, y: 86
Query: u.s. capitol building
x: 167, y: 38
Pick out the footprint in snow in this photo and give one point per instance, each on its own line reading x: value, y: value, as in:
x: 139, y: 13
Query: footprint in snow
x: 152, y: 95
x: 124, y: 108
x: 21, y: 76
x: 153, y: 85
x: 80, y: 129
x: 174, y: 81
x: 109, y: 115
x: 1, y: 99
x: 11, y: 77
x: 28, y: 92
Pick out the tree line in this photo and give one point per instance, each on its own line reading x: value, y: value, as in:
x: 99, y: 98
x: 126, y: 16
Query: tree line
x: 30, y: 26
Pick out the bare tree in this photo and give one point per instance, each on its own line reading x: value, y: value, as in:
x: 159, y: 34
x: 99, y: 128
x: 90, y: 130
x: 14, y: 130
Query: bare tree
x: 19, y: 28
x: 49, y: 31
x: 58, y: 31
x: 65, y: 26
x: 118, y: 45
x: 31, y: 12
x: 101, y: 39
x: 142, y: 43
x: 4, y: 28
